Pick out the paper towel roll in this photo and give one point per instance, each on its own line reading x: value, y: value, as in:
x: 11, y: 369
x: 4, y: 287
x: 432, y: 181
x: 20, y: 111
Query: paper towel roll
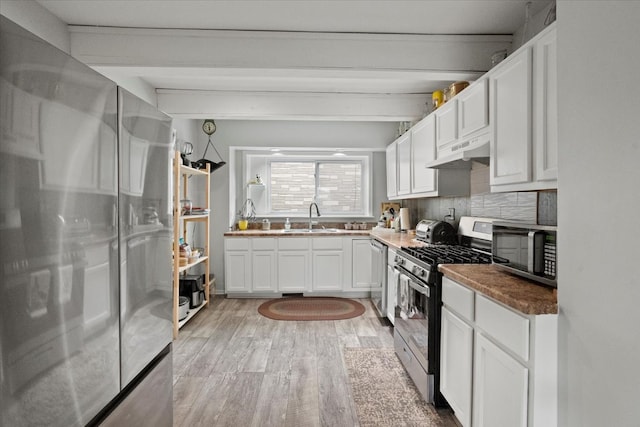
x: 404, y: 219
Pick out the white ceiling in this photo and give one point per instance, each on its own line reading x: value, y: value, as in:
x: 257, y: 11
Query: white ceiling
x: 359, y: 16
x: 381, y: 17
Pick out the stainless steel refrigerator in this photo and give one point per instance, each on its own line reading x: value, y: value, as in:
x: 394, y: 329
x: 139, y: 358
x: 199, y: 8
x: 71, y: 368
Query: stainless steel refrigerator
x: 85, y: 244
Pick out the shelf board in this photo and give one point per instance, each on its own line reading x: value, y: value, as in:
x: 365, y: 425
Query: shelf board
x: 194, y: 217
x: 188, y: 266
x: 186, y: 170
x: 192, y: 312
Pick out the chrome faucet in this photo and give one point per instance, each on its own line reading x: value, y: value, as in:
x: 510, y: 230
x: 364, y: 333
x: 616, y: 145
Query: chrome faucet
x: 317, y: 213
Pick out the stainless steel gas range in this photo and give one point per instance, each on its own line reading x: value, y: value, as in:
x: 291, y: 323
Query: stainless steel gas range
x: 419, y: 301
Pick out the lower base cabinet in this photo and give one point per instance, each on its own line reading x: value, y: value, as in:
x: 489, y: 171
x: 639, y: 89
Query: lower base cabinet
x: 500, y: 393
x: 319, y: 265
x: 498, y: 366
x: 456, y: 365
x: 237, y: 265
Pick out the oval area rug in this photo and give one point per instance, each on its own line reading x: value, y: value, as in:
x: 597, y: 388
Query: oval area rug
x: 311, y: 308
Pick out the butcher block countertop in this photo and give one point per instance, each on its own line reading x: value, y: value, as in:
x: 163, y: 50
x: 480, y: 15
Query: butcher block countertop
x: 512, y: 291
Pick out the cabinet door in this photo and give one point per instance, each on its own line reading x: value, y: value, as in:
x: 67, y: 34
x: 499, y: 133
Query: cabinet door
x: 446, y: 124
x: 264, y: 271
x: 423, y: 151
x: 404, y: 164
x: 545, y: 130
x: 473, y: 108
x: 392, y: 177
x: 510, y: 103
x: 456, y: 365
x: 293, y: 271
x: 327, y: 270
x: 237, y: 268
x: 500, y: 387
x: 362, y: 264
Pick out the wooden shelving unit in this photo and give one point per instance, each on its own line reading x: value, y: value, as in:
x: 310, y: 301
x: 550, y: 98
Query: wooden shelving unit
x: 181, y: 176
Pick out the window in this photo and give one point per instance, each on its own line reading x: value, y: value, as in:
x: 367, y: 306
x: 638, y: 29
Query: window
x: 337, y: 186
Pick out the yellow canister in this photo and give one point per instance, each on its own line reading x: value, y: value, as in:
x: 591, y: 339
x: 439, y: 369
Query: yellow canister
x: 437, y: 98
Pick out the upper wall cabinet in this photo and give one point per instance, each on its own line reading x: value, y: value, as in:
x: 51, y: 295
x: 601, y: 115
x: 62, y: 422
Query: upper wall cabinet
x: 412, y: 177
x: 523, y: 108
x: 403, y: 164
x: 392, y: 171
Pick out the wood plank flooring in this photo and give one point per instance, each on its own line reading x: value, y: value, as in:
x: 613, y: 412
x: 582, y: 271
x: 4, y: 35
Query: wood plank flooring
x: 234, y: 367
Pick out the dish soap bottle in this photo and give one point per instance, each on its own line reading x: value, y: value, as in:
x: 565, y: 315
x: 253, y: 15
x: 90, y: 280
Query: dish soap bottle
x: 287, y: 225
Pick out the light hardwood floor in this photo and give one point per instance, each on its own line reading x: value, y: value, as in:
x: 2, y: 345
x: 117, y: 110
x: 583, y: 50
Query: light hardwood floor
x: 234, y: 367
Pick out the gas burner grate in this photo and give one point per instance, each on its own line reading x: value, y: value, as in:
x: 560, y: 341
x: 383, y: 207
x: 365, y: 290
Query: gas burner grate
x: 434, y: 255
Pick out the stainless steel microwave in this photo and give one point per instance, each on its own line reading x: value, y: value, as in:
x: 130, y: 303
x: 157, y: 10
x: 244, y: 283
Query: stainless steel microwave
x: 528, y: 250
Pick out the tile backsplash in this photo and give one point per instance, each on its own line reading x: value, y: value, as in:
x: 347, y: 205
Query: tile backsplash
x: 531, y: 206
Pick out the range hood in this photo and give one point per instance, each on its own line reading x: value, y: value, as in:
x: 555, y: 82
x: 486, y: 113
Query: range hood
x: 460, y: 154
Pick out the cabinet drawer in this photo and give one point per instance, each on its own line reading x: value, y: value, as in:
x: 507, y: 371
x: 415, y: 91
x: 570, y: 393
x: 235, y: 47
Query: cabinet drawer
x: 458, y: 298
x: 293, y: 243
x: 327, y: 243
x: 235, y: 244
x: 508, y: 328
x: 264, y: 244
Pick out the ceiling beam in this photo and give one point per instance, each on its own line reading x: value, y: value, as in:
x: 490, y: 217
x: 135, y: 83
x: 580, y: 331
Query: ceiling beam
x: 108, y: 46
x: 291, y: 105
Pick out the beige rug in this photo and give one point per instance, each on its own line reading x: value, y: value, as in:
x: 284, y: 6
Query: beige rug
x: 384, y: 393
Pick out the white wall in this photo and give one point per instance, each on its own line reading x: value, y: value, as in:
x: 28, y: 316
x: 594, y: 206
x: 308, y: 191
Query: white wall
x: 268, y: 133
x: 35, y: 18
x: 598, y: 205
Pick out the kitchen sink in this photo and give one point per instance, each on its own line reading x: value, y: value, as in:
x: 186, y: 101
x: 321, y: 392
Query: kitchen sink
x: 314, y: 230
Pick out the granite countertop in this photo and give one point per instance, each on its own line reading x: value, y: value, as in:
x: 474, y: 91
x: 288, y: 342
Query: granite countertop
x: 395, y: 239
x: 513, y: 291
x: 294, y: 233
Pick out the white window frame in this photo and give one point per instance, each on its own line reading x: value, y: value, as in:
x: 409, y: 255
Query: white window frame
x: 365, y: 159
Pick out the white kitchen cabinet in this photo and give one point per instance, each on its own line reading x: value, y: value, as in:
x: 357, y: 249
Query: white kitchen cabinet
x: 392, y: 171
x: 446, y: 118
x: 473, y: 109
x: 423, y: 151
x: 456, y: 365
x: 294, y: 264
x: 264, y: 265
x: 498, y: 365
x: 545, y: 92
x: 500, y: 395
x: 412, y: 152
x: 327, y: 264
x: 237, y: 265
x: 511, y: 109
x: 523, y: 107
x: 404, y: 164
x: 362, y: 264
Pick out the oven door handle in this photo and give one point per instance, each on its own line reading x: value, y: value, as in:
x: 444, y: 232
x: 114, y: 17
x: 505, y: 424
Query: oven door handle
x: 422, y: 289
